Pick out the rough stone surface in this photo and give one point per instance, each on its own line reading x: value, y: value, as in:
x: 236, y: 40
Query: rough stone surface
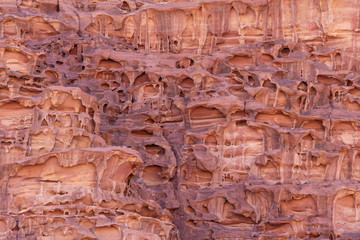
x: 154, y: 119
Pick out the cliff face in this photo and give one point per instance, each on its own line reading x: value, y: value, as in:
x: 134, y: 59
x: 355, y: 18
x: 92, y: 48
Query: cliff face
x: 151, y: 119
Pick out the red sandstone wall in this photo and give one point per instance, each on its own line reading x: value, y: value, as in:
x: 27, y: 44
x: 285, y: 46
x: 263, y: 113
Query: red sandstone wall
x: 151, y: 119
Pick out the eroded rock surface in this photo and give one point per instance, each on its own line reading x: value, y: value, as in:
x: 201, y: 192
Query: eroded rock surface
x: 177, y: 119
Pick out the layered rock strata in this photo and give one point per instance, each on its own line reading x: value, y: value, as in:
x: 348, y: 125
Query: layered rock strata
x: 176, y: 119
x: 60, y: 180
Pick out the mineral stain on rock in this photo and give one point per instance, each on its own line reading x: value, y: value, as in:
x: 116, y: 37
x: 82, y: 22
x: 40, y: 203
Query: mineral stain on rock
x: 179, y: 119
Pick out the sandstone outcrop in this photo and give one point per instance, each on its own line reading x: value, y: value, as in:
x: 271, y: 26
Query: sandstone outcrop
x: 154, y: 119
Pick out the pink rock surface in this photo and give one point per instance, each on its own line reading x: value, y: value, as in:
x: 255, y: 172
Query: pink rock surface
x: 152, y: 119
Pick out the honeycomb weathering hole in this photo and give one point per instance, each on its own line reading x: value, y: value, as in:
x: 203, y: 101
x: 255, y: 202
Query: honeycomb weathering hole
x: 152, y: 175
x: 155, y: 149
x: 202, y: 113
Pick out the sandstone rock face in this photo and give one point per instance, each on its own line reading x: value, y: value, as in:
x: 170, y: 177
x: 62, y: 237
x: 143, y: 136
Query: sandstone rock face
x: 155, y: 119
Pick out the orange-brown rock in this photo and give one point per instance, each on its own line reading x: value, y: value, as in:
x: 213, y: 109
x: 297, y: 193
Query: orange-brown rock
x: 179, y: 119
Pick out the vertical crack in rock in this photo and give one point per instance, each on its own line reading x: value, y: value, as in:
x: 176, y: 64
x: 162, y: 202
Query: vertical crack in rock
x: 177, y: 119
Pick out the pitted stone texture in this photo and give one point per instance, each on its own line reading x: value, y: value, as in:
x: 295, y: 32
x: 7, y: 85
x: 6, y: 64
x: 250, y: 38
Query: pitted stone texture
x: 177, y: 119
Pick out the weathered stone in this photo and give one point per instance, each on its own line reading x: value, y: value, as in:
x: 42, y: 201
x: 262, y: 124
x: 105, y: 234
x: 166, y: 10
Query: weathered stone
x: 154, y: 119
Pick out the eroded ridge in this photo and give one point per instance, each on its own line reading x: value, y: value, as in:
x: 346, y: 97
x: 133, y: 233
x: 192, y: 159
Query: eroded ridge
x: 238, y: 119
